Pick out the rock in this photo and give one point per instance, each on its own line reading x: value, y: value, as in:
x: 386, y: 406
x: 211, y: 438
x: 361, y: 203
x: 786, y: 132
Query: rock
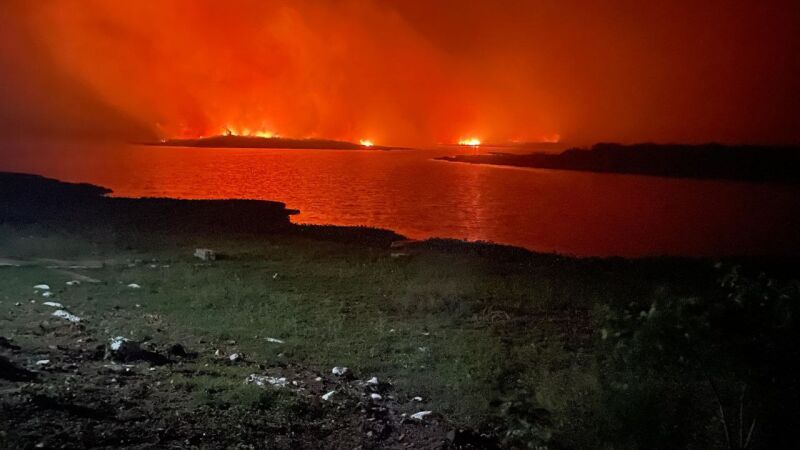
x: 53, y: 304
x: 263, y: 380
x: 373, y: 381
x: 41, y: 287
x: 118, y: 342
x: 67, y: 316
x: 177, y: 350
x: 47, y: 294
x: 134, y: 286
x: 5, y: 343
x: 421, y: 415
x: 340, y: 371
x: 328, y: 396
x: 235, y: 357
x: 125, y: 350
x: 205, y: 254
x: 375, y: 397
x: 9, y: 371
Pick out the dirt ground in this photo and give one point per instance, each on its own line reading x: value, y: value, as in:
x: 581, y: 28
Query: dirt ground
x: 61, y: 387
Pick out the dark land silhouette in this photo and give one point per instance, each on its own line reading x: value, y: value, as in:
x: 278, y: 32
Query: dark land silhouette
x: 707, y: 161
x: 230, y: 141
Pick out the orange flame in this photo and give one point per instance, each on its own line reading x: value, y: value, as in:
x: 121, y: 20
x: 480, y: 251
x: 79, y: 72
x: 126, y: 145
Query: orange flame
x: 471, y: 142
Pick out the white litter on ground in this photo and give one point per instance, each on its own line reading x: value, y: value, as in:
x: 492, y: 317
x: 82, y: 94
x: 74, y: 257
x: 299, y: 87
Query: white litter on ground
x: 42, y: 362
x: 66, y: 315
x: 205, y: 254
x: 73, y: 283
x: 53, y: 304
x: 421, y: 415
x: 417, y: 399
x: 134, y: 286
x: 339, y: 371
x: 47, y: 294
x: 262, y: 380
x: 373, y: 381
x: 42, y: 287
x: 116, y: 342
x: 328, y: 396
x: 276, y: 341
x: 375, y: 397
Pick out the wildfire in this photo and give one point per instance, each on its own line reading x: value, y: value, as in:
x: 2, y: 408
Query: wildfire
x: 552, y: 138
x: 234, y: 131
x: 366, y: 142
x: 471, y: 142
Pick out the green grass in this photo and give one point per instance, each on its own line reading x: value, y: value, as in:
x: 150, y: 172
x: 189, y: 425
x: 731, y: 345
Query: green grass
x: 465, y: 329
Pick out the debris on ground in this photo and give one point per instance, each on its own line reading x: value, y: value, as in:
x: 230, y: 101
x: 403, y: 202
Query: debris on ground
x: 53, y: 304
x: 421, y: 415
x: 263, y: 380
x: 125, y: 350
x: 328, y: 396
x: 134, y: 286
x: 205, y: 254
x: 41, y: 287
x: 373, y: 381
x: 66, y: 315
x: 73, y: 283
x: 340, y: 371
x: 273, y: 340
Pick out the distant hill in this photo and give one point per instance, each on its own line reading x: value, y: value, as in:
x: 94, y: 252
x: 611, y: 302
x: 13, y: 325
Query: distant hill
x: 261, y: 142
x: 706, y: 161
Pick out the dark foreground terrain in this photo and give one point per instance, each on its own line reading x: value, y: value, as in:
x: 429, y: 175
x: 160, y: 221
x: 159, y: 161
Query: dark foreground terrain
x: 707, y: 161
x: 135, y: 342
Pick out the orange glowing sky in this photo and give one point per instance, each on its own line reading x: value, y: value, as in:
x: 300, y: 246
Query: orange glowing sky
x: 412, y: 72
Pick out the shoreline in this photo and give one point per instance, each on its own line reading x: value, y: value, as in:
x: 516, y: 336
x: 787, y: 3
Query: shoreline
x: 240, y: 216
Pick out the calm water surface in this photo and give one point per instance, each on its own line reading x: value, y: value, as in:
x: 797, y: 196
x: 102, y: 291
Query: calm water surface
x: 545, y: 210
